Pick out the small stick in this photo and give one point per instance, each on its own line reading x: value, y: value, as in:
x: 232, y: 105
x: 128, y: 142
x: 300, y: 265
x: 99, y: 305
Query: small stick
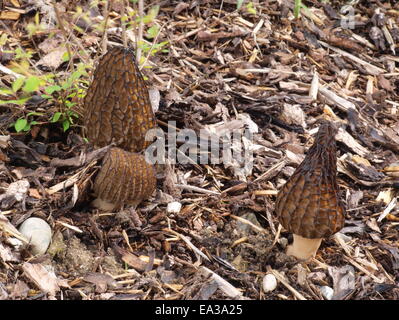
x: 268, y: 174
x: 64, y: 33
x: 123, y: 24
x: 104, y: 37
x: 259, y: 229
x: 196, y: 189
x: 364, y: 270
x: 225, y: 286
x: 188, y: 242
x: 10, y: 72
x: 281, y: 278
x: 140, y: 34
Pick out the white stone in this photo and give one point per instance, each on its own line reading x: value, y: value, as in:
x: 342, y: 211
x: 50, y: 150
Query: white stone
x: 38, y: 232
x: 269, y: 282
x: 174, y: 207
x: 327, y: 292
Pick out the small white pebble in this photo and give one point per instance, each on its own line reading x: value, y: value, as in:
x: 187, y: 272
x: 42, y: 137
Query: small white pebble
x: 173, y: 207
x: 38, y: 232
x: 269, y: 283
x: 327, y: 292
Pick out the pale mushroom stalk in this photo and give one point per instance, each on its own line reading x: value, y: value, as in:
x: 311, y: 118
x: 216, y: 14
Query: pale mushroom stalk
x: 109, y: 206
x: 308, y: 204
x: 303, y: 248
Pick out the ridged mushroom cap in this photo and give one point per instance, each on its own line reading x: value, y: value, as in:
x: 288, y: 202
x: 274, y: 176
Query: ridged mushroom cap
x: 124, y: 178
x: 117, y: 106
x: 308, y: 204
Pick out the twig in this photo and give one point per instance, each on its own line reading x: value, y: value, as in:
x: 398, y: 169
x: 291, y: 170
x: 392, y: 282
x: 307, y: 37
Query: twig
x: 123, y: 24
x: 196, y: 189
x: 225, y: 286
x: 68, y: 182
x: 64, y: 33
x: 10, y: 72
x: 373, y: 70
x: 269, y: 173
x: 152, y: 46
x: 364, y: 270
x: 140, y: 34
x: 104, y: 36
x: 259, y: 229
x: 188, y: 242
x: 281, y: 278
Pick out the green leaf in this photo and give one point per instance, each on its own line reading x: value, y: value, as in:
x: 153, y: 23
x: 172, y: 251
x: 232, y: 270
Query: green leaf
x: 297, y: 8
x: 6, y: 91
x: 65, y: 56
x: 239, y: 4
x: 45, y: 96
x: 152, y: 32
x: 67, y: 84
x: 18, y: 102
x: 31, y: 84
x: 3, y: 39
x: 251, y: 9
x: 20, y: 124
x: 56, y: 117
x: 17, y: 84
x: 152, y: 14
x: 65, y: 125
x: 76, y: 75
x: 52, y: 89
x: 34, y: 113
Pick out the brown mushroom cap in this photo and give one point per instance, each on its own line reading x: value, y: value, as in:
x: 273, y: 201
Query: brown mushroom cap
x: 117, y: 106
x: 124, y: 178
x: 308, y: 204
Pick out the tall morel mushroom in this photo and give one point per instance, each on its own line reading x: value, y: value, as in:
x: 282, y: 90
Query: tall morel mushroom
x: 117, y: 106
x: 124, y: 178
x: 308, y: 204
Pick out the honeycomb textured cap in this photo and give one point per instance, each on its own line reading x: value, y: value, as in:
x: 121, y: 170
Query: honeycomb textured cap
x: 124, y: 178
x: 308, y: 204
x: 117, y: 106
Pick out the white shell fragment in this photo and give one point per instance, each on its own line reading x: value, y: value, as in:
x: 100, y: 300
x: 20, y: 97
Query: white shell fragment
x: 327, y: 292
x: 38, y: 232
x: 155, y: 98
x: 269, y: 282
x: 18, y: 189
x: 173, y: 207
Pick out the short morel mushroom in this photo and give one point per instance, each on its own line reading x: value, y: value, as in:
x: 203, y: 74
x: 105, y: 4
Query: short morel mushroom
x: 124, y: 178
x: 117, y: 106
x: 308, y: 204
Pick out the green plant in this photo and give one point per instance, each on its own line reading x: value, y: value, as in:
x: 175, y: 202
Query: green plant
x: 152, y: 32
x: 63, y: 94
x: 297, y: 8
x: 24, y: 124
x: 35, y: 27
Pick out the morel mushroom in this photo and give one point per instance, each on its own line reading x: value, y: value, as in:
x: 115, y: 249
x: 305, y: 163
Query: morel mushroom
x: 117, y: 106
x: 308, y: 204
x: 124, y: 178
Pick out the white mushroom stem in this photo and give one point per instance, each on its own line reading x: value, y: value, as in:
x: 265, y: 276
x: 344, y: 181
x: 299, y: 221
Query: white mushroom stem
x: 303, y: 248
x: 103, y: 205
x: 109, y: 206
